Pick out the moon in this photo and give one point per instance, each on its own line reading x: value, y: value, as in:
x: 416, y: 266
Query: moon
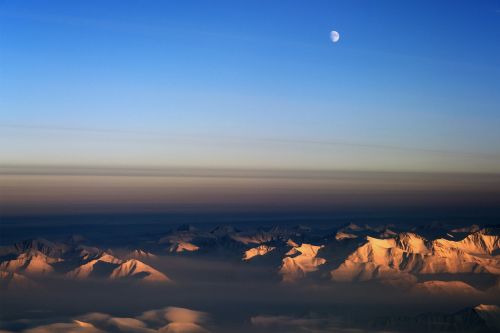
x: 334, y: 36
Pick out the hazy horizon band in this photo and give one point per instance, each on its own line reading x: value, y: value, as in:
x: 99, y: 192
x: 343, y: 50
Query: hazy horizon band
x: 50, y: 189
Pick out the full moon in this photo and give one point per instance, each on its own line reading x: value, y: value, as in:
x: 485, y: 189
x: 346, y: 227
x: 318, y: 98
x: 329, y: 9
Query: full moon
x: 334, y: 36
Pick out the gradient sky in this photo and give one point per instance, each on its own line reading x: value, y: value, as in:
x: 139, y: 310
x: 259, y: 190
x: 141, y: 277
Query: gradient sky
x: 255, y: 84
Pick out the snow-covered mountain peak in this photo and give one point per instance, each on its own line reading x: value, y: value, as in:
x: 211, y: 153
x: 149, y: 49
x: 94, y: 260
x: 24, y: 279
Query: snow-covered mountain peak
x: 257, y: 251
x: 134, y: 268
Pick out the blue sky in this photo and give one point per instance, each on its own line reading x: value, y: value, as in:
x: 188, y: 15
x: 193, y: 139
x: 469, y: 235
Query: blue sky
x: 252, y: 83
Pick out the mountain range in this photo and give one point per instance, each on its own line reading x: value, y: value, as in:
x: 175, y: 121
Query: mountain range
x: 386, y: 254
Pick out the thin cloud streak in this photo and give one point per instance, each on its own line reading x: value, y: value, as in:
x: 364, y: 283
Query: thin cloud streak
x: 261, y: 140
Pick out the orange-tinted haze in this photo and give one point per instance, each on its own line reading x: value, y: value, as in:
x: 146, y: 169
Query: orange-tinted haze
x: 78, y: 190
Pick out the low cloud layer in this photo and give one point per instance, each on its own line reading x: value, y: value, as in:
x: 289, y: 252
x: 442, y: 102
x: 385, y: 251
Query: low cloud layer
x: 167, y: 320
